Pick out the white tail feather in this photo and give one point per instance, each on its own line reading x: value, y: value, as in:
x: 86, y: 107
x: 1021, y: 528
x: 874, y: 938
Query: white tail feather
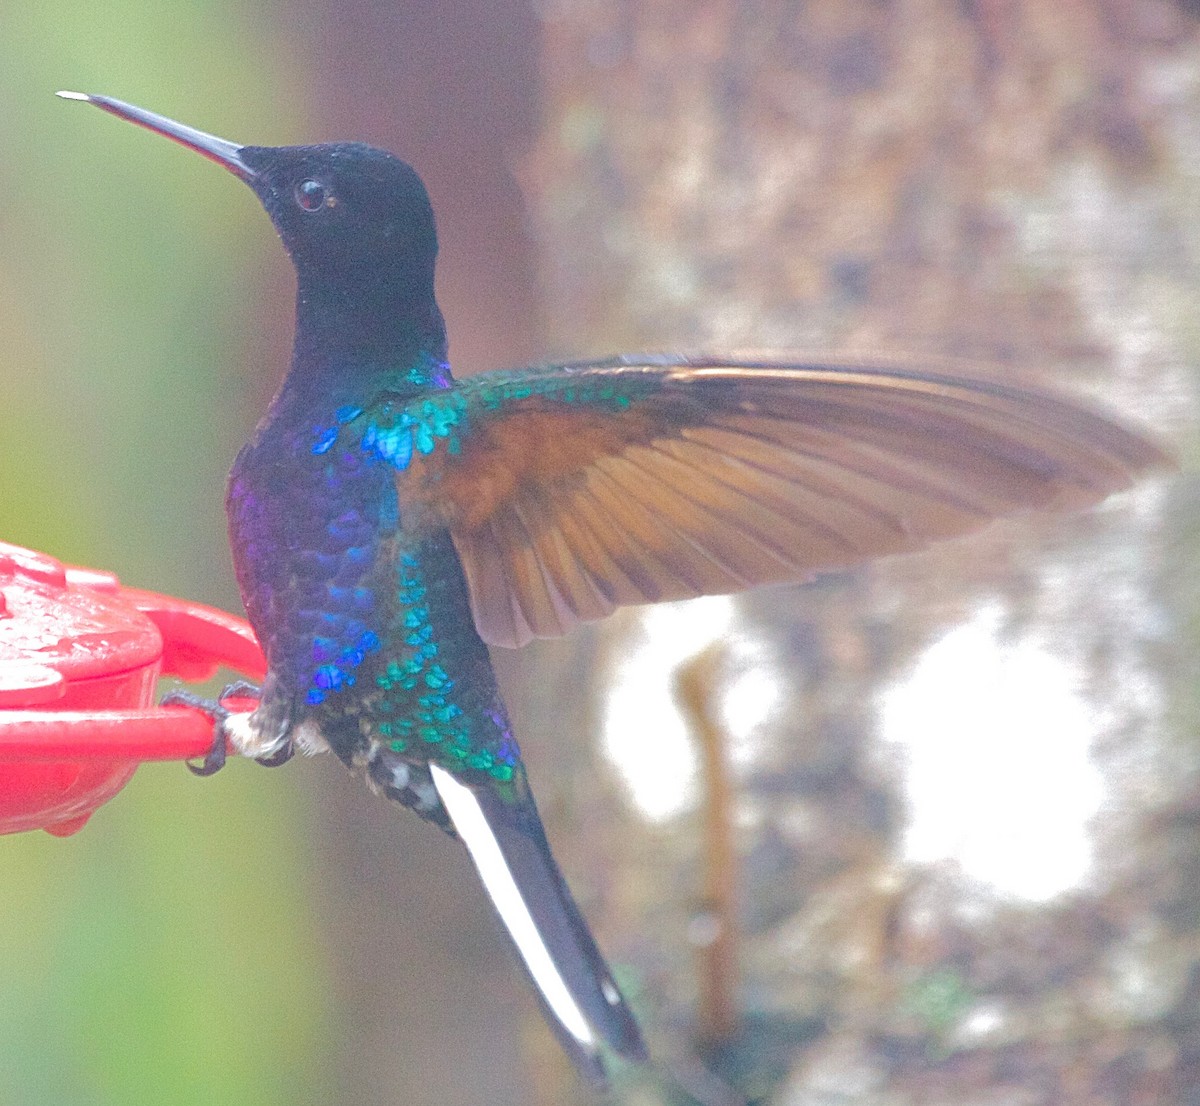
x: 472, y: 826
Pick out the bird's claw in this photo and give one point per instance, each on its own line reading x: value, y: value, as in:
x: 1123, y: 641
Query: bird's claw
x: 214, y: 760
x: 240, y: 689
x: 282, y: 755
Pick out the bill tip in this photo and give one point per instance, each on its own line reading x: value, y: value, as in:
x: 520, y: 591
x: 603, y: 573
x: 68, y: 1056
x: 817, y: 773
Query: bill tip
x: 73, y: 95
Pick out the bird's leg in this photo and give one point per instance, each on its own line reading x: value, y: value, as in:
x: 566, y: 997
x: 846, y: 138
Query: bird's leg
x: 230, y: 726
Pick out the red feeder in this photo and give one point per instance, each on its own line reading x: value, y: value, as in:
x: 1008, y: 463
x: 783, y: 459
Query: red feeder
x: 79, y: 660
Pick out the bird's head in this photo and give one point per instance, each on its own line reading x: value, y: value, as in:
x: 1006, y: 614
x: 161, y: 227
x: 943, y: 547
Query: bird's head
x: 348, y: 213
x: 344, y: 205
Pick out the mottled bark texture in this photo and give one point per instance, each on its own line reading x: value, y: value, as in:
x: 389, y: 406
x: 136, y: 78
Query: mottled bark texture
x: 1003, y: 180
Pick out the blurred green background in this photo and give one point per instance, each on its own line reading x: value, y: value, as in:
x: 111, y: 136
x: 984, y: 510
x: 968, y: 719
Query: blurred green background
x: 180, y: 949
x: 1014, y: 182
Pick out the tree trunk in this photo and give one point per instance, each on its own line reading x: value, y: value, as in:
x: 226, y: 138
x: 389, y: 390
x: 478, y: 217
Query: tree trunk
x: 1012, y: 182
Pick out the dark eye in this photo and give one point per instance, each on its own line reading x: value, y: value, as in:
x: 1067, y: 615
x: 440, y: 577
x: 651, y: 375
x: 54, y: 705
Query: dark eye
x: 311, y: 195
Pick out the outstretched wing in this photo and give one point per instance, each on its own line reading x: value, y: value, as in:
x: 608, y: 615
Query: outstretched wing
x: 574, y: 489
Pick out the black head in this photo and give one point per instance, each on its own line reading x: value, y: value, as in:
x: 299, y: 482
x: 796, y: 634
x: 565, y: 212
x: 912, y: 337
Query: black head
x: 344, y: 205
x: 348, y: 213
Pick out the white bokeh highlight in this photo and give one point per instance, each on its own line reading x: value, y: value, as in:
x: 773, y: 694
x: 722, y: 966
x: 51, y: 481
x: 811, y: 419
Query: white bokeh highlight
x: 995, y: 737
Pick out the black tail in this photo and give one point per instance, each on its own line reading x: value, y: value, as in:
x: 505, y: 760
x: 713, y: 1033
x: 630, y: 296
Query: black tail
x: 508, y: 846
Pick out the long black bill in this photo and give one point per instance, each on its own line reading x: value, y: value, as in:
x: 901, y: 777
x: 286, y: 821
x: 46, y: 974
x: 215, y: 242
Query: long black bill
x: 227, y: 154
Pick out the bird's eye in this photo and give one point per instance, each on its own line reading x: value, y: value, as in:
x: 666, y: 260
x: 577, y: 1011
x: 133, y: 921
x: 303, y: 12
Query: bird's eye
x: 311, y: 195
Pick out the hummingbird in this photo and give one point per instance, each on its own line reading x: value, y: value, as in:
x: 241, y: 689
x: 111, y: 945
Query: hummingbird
x: 389, y: 523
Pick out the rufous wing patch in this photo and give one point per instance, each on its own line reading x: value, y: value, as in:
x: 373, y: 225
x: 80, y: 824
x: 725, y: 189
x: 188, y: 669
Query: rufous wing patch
x: 509, y: 453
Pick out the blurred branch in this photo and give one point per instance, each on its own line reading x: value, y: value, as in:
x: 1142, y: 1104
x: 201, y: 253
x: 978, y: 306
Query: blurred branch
x: 714, y: 929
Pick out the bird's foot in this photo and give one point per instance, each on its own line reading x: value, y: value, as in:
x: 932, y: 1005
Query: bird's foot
x: 226, y: 728
x: 214, y: 761
x: 282, y: 755
x: 240, y: 689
